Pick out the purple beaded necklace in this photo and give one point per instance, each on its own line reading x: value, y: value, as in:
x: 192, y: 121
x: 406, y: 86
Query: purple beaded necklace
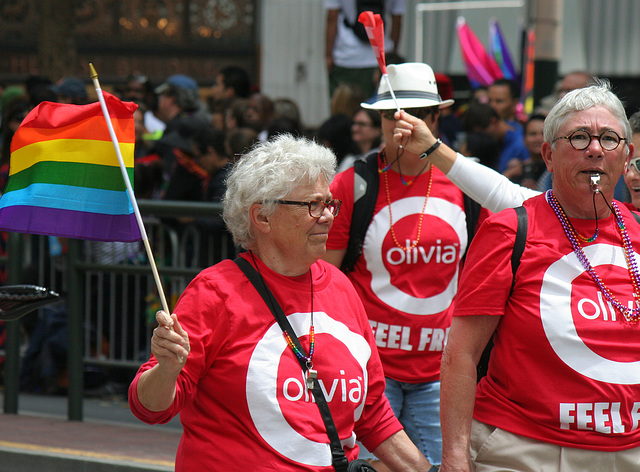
x: 630, y: 314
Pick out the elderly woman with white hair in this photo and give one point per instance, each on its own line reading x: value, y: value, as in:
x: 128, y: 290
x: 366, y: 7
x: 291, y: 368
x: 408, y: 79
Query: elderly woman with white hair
x: 247, y: 390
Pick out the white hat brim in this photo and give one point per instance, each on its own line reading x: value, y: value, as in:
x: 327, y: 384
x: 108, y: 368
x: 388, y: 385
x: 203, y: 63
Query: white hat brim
x: 403, y: 103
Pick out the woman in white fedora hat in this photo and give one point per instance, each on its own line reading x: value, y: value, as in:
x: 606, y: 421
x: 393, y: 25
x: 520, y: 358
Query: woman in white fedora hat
x: 407, y: 272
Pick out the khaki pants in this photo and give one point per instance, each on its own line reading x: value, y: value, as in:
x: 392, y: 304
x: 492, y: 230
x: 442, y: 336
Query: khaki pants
x: 496, y: 450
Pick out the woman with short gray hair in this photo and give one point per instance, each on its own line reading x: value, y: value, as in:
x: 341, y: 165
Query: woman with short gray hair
x: 245, y: 387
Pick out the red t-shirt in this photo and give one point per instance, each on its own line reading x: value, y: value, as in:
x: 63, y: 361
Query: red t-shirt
x: 241, y: 394
x: 407, y: 295
x: 565, y: 368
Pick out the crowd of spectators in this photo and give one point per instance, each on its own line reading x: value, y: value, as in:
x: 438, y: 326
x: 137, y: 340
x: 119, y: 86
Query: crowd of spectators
x: 486, y: 126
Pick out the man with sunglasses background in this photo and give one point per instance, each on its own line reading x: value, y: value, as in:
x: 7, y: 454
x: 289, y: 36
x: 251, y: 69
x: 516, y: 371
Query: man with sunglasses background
x: 407, y: 274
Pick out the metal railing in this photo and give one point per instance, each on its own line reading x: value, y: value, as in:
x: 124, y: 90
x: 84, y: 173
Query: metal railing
x: 109, y: 290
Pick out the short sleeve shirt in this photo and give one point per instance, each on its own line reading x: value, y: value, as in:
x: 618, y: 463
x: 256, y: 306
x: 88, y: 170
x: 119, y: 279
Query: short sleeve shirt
x: 565, y: 368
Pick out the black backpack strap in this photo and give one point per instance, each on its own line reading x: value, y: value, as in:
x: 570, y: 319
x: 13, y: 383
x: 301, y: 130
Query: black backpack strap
x: 366, y: 183
x: 521, y: 240
x: 338, y: 458
x: 472, y: 213
x: 518, y: 249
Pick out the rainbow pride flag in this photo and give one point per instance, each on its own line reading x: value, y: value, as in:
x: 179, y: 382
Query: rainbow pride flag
x: 500, y: 51
x: 64, y: 177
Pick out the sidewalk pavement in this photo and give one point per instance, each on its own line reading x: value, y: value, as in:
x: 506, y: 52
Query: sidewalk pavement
x: 109, y: 439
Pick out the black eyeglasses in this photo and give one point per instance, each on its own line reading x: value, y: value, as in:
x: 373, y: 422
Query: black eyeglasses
x: 420, y: 113
x: 316, y: 207
x: 635, y: 164
x: 581, y: 140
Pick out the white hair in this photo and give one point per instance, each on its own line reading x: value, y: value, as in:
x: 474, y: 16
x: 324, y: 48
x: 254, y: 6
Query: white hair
x: 597, y: 95
x: 269, y: 172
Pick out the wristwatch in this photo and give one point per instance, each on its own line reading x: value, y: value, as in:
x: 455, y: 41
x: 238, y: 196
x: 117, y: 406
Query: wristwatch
x: 431, y: 149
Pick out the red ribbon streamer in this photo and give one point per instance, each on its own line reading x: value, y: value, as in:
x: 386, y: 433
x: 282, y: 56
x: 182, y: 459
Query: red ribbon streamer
x: 374, y: 26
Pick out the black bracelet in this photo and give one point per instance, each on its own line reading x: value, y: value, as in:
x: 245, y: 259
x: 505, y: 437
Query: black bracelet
x: 431, y: 149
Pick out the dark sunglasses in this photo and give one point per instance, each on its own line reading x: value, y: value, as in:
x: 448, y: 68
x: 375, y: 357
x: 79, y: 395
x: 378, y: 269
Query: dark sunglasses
x: 420, y: 113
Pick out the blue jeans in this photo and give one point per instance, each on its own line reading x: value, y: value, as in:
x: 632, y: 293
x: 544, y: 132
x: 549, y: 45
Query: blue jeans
x: 417, y: 406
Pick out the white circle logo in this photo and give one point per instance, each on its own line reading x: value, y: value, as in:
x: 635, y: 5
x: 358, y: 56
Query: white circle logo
x: 262, y: 376
x: 381, y: 283
x: 557, y: 317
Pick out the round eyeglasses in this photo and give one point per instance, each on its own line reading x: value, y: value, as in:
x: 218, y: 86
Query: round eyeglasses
x: 316, y: 207
x: 580, y: 139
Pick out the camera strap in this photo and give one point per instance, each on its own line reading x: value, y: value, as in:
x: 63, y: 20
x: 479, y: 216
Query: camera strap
x: 338, y: 458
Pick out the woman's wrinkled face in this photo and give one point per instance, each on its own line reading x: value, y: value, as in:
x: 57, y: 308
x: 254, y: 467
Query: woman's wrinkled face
x: 295, y: 232
x: 572, y: 168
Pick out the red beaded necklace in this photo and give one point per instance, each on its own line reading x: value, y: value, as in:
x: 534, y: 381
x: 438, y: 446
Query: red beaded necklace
x: 424, y: 205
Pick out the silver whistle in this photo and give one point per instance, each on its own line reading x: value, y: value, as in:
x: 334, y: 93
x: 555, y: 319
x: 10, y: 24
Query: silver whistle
x: 312, y: 375
x: 595, y: 182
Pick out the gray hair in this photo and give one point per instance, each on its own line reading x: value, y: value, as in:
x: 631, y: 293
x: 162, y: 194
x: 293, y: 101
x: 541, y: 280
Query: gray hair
x: 597, y: 95
x: 269, y: 172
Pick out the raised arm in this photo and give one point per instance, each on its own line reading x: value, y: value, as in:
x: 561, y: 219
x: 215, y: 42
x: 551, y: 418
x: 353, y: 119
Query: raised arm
x: 489, y: 188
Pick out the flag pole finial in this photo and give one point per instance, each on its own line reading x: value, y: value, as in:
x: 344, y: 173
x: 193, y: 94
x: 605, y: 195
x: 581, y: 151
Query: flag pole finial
x: 92, y: 70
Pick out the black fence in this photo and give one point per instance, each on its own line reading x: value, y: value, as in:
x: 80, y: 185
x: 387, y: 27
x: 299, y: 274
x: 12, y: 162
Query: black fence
x: 108, y: 293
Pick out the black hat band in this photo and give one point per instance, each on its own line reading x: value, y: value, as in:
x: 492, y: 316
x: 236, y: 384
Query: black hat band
x: 410, y: 94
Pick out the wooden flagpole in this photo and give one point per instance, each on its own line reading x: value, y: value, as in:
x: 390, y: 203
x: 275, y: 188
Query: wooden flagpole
x: 132, y: 197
